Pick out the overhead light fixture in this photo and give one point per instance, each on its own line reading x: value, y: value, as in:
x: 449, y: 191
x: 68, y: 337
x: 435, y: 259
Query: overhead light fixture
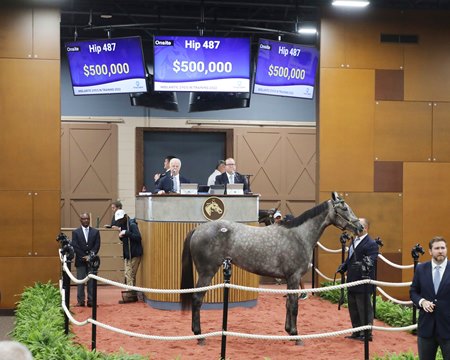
x: 307, y: 30
x: 306, y: 27
x: 350, y: 3
x: 106, y: 16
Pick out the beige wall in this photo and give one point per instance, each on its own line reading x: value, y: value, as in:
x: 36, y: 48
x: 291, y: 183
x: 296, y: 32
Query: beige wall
x: 384, y: 121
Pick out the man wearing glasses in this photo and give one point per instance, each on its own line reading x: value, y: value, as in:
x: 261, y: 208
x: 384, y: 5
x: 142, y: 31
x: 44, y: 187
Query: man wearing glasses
x: 231, y: 176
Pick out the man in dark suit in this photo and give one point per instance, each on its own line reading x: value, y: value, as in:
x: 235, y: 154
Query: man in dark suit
x: 430, y: 292
x: 166, y: 171
x: 85, y: 240
x: 231, y: 176
x: 171, y: 183
x: 363, y: 245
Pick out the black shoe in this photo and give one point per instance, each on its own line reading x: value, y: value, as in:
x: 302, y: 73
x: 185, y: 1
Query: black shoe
x: 90, y: 304
x: 354, y: 336
x: 362, y: 338
x: 80, y: 304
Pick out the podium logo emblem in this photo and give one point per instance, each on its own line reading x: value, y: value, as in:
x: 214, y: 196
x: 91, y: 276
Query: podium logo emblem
x: 213, y: 208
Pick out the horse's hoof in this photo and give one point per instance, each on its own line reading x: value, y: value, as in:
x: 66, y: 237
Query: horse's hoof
x: 201, y: 342
x: 299, y: 343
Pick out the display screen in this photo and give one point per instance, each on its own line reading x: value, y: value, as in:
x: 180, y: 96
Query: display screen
x: 285, y: 69
x: 106, y: 66
x: 204, y: 64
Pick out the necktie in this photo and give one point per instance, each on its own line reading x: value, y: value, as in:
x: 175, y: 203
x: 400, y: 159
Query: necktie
x: 352, y: 247
x: 86, y: 233
x: 175, y: 184
x: 231, y: 179
x: 436, y: 278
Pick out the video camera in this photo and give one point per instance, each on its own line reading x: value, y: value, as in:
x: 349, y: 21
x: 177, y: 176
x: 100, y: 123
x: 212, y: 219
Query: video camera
x: 416, y: 251
x: 66, y: 247
x: 93, y: 260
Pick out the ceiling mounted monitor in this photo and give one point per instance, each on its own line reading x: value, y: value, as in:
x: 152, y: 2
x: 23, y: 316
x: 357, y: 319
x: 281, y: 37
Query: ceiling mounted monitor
x: 106, y: 66
x: 285, y: 69
x: 202, y: 64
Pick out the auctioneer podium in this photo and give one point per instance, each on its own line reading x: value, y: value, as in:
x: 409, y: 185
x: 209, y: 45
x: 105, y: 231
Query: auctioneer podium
x: 165, y: 220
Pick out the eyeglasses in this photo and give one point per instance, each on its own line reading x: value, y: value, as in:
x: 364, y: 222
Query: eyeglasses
x: 230, y: 164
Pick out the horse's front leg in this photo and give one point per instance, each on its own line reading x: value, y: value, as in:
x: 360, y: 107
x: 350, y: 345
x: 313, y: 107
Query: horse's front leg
x: 197, y: 301
x: 292, y: 309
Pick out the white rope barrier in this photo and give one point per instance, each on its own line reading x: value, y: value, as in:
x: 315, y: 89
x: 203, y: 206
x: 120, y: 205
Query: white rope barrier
x: 232, y: 286
x: 322, y: 275
x: 394, y: 264
x: 382, y: 292
x: 331, y: 250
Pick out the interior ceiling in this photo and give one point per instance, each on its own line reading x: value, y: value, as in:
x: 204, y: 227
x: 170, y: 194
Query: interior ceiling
x: 250, y: 18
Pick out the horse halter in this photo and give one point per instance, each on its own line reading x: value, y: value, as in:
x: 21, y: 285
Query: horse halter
x: 338, y: 204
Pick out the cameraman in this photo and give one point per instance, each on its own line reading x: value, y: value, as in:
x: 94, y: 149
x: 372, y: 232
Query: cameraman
x: 85, y: 241
x: 362, y: 246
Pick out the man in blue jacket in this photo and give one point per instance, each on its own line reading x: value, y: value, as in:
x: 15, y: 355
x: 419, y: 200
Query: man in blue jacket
x: 362, y: 246
x: 430, y: 292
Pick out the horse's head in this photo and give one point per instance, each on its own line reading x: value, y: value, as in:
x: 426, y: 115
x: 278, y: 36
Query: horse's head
x: 215, y: 207
x: 343, y: 216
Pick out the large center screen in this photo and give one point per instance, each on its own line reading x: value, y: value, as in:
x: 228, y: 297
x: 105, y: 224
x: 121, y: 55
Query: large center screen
x: 107, y: 66
x: 285, y: 69
x: 201, y: 64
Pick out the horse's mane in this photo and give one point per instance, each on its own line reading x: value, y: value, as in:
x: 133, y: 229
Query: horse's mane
x: 308, y: 214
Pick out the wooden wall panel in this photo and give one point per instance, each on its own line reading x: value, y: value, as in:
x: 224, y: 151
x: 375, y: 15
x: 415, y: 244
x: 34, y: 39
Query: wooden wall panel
x: 441, y: 132
x: 16, y: 33
x: 356, y: 43
x: 89, y: 172
x: 384, y: 211
x: 362, y: 42
x: 402, y: 131
x: 17, y: 232
x: 332, y: 44
x: 46, y: 224
x: 16, y: 273
x: 346, y: 129
x: 426, y: 204
x: 45, y: 38
x: 427, y: 74
x: 33, y: 163
x: 269, y: 154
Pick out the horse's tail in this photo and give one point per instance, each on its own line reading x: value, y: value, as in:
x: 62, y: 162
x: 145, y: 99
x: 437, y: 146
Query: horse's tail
x: 187, y: 273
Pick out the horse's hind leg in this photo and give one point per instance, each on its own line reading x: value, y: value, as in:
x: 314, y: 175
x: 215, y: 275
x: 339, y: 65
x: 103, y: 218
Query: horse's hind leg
x: 292, y: 309
x: 197, y: 301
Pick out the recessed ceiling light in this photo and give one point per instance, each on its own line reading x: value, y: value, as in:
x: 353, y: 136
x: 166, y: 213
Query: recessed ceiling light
x: 350, y: 3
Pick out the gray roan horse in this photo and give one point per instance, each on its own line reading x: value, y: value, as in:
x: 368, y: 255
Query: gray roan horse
x: 280, y: 251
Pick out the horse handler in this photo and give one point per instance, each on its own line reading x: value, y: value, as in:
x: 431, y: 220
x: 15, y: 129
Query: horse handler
x: 131, y: 239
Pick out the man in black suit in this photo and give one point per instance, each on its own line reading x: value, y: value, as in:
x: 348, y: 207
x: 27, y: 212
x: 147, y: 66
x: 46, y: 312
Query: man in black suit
x: 363, y: 245
x: 166, y: 171
x: 430, y: 292
x: 231, y: 176
x: 85, y: 240
x: 171, y: 183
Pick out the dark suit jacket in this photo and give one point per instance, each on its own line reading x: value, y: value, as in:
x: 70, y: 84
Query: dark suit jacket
x: 166, y: 183
x: 367, y: 247
x: 81, y: 247
x: 164, y: 173
x: 222, y: 179
x: 436, y: 323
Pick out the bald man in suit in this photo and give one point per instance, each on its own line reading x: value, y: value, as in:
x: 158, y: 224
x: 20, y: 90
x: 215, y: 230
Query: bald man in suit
x: 430, y: 292
x: 85, y: 239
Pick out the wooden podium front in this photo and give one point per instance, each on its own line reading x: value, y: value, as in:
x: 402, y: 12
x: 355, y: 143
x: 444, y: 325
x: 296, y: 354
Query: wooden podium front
x: 164, y: 221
